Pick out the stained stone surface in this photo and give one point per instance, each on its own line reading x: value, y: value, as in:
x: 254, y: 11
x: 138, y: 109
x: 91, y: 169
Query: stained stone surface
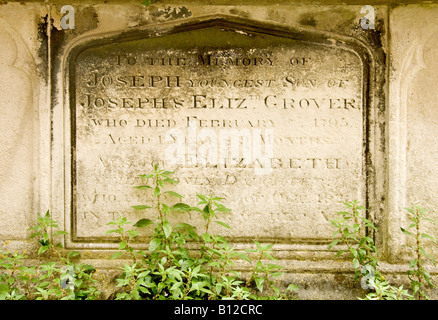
x: 272, y: 124
x: 19, y: 106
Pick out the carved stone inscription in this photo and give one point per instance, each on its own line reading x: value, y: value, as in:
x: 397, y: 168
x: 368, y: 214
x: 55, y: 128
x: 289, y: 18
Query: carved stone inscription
x: 271, y: 124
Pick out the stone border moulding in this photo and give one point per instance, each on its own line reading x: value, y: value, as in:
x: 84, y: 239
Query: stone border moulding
x: 66, y: 143
x: 412, y: 63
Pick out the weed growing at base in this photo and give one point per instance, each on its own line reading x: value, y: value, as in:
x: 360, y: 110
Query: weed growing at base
x: 57, y: 279
x: 351, y: 232
x: 169, y: 270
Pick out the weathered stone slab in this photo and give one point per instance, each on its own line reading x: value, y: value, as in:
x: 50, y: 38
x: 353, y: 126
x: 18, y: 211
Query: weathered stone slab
x: 273, y: 124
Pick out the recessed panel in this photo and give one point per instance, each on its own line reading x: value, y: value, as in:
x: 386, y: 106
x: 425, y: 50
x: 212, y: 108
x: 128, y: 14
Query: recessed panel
x: 272, y: 124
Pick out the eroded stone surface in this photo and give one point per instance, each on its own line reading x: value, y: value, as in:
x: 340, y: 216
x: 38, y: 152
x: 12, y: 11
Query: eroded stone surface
x: 18, y: 105
x: 293, y: 108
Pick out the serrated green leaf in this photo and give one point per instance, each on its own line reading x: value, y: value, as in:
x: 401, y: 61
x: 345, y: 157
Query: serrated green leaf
x: 222, y: 208
x: 43, y: 284
x: 223, y: 224
x: 133, y: 233
x: 206, y: 237
x: 405, y: 231
x: 181, y: 207
x: 354, y: 252
x: 218, y: 288
x: 60, y: 233
x: 243, y: 256
x: 412, y: 263
x: 259, y: 283
x: 143, y: 187
x: 156, y: 191
x: 165, y: 208
x: 335, y: 223
x: 167, y: 228
x: 196, y: 209
x: 175, y: 194
x: 154, y: 244
x: 333, y: 243
x: 356, y: 263
x: 259, y: 246
x: 4, y: 290
x: 206, y: 290
x: 432, y: 260
x: 340, y: 252
x: 116, y: 255
x: 427, y: 236
x: 146, y: 176
x: 141, y: 207
x: 143, y: 223
x: 73, y: 254
x: 365, y: 239
x: 274, y: 266
x: 35, y: 234
x: 43, y: 249
x: 202, y: 197
x: 292, y: 287
x: 183, y: 225
x: 189, y: 228
x: 170, y: 180
x: 269, y: 256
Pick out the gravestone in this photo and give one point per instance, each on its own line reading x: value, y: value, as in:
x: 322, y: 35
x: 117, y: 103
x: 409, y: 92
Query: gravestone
x: 283, y: 109
x: 272, y: 121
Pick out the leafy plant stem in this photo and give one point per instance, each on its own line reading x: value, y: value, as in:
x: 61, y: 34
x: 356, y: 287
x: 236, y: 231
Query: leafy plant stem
x: 254, y: 270
x: 419, y: 258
